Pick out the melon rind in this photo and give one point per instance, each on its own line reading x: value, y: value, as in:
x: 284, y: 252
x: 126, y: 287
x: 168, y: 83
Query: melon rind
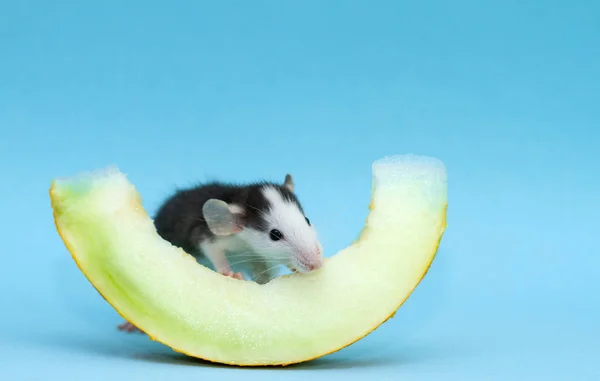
x: 293, y: 318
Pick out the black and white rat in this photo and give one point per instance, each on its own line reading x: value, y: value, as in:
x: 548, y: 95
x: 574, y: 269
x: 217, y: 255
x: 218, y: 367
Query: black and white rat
x: 259, y: 226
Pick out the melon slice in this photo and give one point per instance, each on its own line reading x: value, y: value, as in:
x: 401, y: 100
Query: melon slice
x: 293, y: 318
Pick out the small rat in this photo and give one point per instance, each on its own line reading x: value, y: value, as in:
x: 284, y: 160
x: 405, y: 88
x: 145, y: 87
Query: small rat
x: 259, y: 226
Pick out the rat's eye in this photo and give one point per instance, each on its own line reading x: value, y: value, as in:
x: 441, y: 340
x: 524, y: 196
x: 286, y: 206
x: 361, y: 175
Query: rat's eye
x: 307, y: 220
x: 275, y: 235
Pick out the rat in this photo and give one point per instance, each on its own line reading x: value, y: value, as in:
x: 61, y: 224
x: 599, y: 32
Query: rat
x: 259, y: 226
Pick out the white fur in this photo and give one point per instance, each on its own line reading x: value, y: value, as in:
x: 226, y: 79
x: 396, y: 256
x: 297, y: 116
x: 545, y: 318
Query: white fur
x: 236, y: 209
x: 255, y: 250
x: 299, y: 248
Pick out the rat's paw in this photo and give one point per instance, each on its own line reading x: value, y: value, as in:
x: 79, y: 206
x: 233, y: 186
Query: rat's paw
x: 233, y: 275
x: 128, y: 327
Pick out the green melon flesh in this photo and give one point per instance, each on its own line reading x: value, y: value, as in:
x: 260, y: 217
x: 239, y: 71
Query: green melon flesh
x: 294, y: 318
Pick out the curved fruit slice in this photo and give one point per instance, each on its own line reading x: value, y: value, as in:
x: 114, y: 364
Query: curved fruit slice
x: 293, y: 318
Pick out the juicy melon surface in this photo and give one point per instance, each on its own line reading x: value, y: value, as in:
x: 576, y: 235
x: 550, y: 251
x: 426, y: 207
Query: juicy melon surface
x: 293, y: 318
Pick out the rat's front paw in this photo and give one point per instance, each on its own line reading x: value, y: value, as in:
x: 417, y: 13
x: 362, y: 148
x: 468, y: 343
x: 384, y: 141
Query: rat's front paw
x: 233, y: 275
x: 128, y: 327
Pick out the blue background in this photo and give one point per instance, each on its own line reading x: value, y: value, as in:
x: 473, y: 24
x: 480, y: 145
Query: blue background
x: 506, y: 93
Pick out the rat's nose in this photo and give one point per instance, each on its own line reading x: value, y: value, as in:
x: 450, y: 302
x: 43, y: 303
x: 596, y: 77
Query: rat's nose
x: 311, y: 260
x: 315, y: 263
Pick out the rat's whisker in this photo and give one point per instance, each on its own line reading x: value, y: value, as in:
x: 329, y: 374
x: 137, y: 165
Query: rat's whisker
x: 253, y: 260
x: 254, y: 254
x: 268, y: 270
x: 242, y: 261
x: 182, y: 222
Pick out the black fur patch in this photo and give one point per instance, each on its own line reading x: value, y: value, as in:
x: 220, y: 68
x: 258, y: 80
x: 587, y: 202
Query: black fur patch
x: 179, y: 220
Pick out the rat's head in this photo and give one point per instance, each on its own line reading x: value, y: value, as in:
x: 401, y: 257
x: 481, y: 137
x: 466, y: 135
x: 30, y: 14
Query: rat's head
x: 271, y: 220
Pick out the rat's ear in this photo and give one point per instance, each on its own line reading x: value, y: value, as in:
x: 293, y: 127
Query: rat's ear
x: 289, y: 182
x: 222, y: 218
